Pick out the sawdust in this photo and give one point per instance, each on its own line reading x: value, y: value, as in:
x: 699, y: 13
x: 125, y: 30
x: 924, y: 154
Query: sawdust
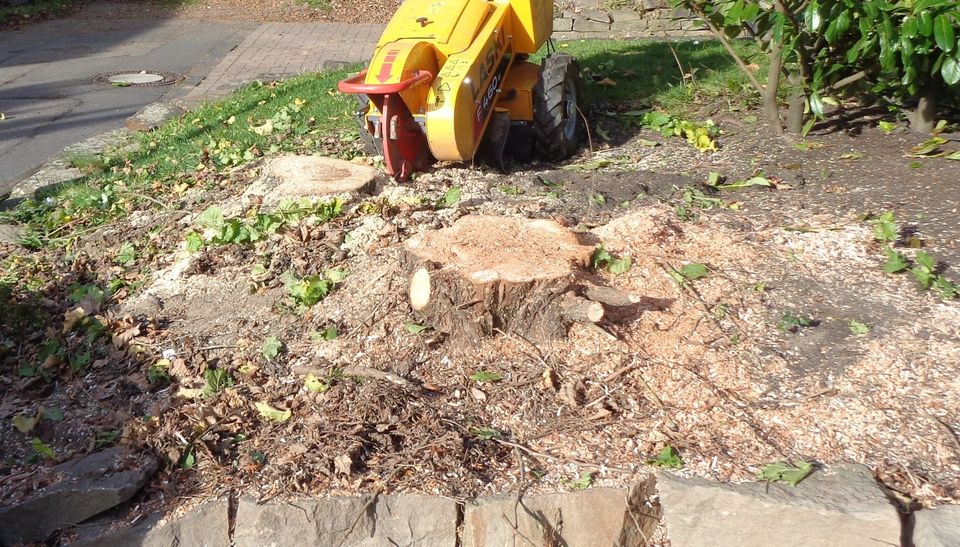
x: 515, y: 250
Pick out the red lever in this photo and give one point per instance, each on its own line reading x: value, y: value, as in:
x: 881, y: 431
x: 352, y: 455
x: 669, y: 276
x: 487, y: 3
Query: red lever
x: 356, y: 85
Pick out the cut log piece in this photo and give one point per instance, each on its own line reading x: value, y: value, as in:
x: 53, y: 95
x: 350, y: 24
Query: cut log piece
x: 489, y: 274
x: 610, y: 296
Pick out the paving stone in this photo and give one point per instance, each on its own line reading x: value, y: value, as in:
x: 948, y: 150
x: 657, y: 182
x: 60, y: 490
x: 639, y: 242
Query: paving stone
x: 153, y: 116
x: 598, y: 516
x: 207, y: 525
x: 838, y: 507
x: 392, y: 520
x: 939, y: 527
x: 89, y: 486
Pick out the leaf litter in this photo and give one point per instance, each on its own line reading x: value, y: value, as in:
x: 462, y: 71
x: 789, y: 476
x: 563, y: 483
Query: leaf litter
x: 696, y: 374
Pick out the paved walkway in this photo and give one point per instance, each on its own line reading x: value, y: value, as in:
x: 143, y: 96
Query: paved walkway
x: 50, y: 103
x: 46, y: 93
x: 283, y: 49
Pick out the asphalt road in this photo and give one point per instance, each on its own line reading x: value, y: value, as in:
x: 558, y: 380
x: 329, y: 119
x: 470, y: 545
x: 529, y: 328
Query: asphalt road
x: 46, y: 93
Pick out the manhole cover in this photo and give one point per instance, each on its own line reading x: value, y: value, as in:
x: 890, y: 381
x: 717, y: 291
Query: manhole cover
x: 141, y: 78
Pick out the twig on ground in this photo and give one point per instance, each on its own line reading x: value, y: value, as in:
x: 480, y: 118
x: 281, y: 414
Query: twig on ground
x: 356, y: 370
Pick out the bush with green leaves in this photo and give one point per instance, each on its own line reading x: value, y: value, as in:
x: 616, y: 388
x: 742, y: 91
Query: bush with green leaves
x: 903, y: 51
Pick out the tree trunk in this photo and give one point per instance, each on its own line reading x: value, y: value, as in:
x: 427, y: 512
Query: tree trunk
x: 798, y: 103
x: 771, y: 106
x: 485, y: 275
x: 924, y: 117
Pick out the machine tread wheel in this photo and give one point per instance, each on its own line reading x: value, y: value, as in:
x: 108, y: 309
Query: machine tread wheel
x: 555, y: 123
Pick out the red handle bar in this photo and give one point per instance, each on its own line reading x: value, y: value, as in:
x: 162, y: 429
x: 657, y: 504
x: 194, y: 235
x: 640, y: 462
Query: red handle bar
x: 355, y: 84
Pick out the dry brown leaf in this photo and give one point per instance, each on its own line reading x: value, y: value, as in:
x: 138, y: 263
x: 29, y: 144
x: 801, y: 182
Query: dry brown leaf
x: 343, y: 464
x: 122, y: 339
x: 72, y: 317
x: 478, y: 394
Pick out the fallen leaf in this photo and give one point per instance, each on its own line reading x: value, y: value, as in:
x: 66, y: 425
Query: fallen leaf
x: 122, y: 339
x: 72, y: 317
x: 343, y: 464
x: 24, y: 423
x: 271, y: 414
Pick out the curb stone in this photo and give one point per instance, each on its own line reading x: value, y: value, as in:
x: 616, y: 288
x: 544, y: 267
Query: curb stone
x: 90, y: 485
x: 153, y: 115
x: 842, y: 506
x: 938, y: 527
x: 57, y: 170
x: 205, y: 526
x: 390, y: 520
x: 599, y: 516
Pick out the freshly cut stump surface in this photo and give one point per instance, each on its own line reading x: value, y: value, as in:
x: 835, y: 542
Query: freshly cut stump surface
x: 487, y: 274
x: 291, y: 177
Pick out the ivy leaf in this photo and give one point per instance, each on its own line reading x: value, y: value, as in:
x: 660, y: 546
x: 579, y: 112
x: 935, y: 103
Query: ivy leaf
x: 449, y: 199
x: 858, y: 328
x: 896, y: 262
x: 215, y: 381
x: 584, y: 482
x: 694, y: 270
x: 415, y: 328
x: 619, y: 266
x: 668, y: 457
x: 42, y: 449
x: 211, y: 218
x: 126, y: 255
x: 789, y: 473
x: 271, y: 414
x: 600, y: 257
x: 271, y: 347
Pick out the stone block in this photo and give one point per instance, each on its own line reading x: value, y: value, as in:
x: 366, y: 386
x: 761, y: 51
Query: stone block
x: 599, y: 516
x: 88, y: 486
x: 10, y: 234
x: 839, y: 507
x: 588, y: 25
x: 207, y: 525
x: 562, y: 25
x: 392, y: 520
x: 153, y: 116
x: 939, y: 527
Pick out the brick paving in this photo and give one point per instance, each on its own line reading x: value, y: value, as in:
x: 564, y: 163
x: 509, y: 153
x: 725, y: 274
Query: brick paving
x: 273, y: 50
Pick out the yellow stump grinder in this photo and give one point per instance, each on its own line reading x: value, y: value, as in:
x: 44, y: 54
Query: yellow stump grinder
x: 450, y: 81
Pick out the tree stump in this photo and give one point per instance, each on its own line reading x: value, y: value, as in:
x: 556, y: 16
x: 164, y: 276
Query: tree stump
x: 489, y: 274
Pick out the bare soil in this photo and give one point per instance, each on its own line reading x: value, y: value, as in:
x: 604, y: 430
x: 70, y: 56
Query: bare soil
x: 707, y: 366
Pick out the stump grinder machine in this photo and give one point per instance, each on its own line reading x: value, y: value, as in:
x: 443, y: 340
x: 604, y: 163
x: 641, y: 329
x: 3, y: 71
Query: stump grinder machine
x: 450, y: 81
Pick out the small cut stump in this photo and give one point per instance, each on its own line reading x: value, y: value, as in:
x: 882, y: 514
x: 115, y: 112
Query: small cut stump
x: 489, y: 274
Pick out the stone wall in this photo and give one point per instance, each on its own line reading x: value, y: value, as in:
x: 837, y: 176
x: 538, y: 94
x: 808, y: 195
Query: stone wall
x: 624, y: 19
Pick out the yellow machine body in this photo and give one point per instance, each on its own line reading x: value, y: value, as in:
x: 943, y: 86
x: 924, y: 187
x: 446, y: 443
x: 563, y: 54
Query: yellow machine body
x: 474, y: 50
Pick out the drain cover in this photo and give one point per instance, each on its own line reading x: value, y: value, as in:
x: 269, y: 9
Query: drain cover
x: 142, y: 78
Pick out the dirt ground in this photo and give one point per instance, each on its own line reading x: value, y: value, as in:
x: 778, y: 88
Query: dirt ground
x: 712, y: 366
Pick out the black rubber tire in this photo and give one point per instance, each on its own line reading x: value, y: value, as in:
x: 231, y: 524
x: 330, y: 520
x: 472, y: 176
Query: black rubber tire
x: 556, y: 122
x: 370, y: 146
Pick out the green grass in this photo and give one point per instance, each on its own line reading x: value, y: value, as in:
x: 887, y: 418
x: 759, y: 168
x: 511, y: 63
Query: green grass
x: 646, y: 73
x: 306, y: 114
x: 41, y: 7
x: 302, y: 114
